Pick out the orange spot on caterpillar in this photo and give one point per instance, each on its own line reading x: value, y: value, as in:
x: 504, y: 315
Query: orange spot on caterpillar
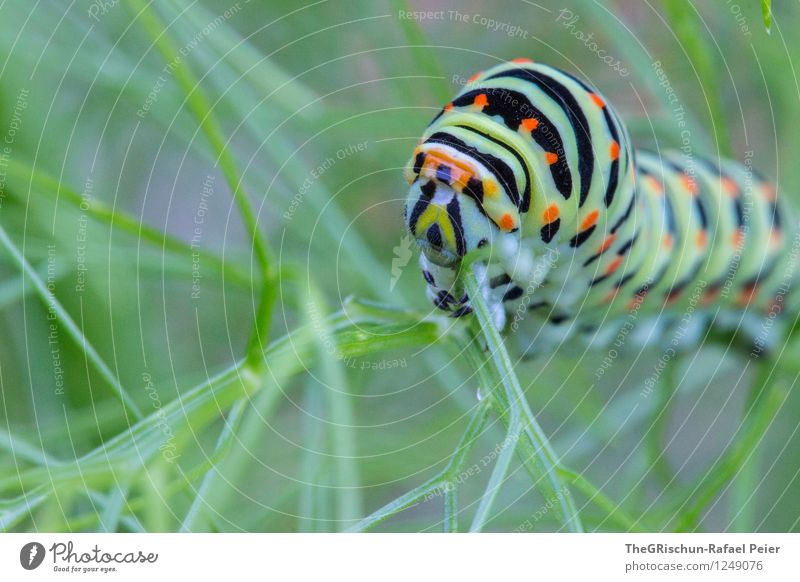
x: 636, y: 301
x: 730, y: 187
x: 530, y: 123
x: 769, y: 192
x: 490, y: 187
x: 655, y: 184
x: 551, y: 157
x: 738, y: 238
x: 550, y: 214
x: 590, y: 220
x: 597, y: 100
x: 614, y: 265
x: 668, y: 241
x: 607, y: 243
x: 746, y: 295
x: 613, y: 150
x: 610, y: 296
x: 702, y: 238
x: 711, y: 295
x: 506, y: 222
x: 672, y: 296
x: 775, y: 238
x: 521, y: 60
x: 448, y: 107
x: 474, y: 77
x: 689, y: 184
x: 481, y: 100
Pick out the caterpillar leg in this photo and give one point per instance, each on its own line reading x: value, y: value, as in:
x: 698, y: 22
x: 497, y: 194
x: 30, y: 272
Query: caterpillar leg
x: 445, y: 293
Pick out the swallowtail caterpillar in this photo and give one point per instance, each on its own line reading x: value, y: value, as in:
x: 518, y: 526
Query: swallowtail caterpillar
x: 583, y: 228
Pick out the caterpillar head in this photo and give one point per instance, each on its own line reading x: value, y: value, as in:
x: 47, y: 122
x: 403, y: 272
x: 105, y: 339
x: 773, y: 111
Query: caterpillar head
x: 455, y: 204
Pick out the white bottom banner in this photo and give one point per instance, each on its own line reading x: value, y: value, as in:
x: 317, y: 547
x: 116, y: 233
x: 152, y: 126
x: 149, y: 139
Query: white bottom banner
x: 355, y: 557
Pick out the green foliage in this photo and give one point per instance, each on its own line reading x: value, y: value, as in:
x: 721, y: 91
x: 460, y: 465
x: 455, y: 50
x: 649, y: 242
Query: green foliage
x: 766, y: 14
x: 247, y: 357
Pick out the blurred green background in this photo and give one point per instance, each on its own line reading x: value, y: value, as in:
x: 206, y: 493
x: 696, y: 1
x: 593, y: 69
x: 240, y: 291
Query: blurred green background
x: 115, y: 117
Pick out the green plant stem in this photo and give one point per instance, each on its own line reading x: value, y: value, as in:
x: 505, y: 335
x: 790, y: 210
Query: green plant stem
x: 22, y: 450
x: 128, y: 521
x: 338, y: 401
x: 113, y: 504
x: 232, y: 51
x: 746, y: 479
x: 425, y: 61
x: 69, y: 325
x: 195, y: 515
x: 685, y: 25
x: 308, y: 514
x: 743, y: 501
x: 766, y: 15
x: 405, y: 501
x: 657, y: 433
x: 444, y: 482
x: 197, y: 407
x: 453, y: 473
x: 757, y: 420
x: 200, y: 107
x: 496, y: 481
x: 14, y: 510
x: 594, y: 495
x: 450, y: 522
x: 112, y: 217
x: 512, y: 407
x: 13, y: 289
